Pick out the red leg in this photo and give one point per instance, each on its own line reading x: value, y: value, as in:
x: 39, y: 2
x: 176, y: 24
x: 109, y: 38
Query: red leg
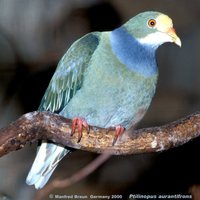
x: 80, y: 123
x: 119, y: 130
x: 74, y: 122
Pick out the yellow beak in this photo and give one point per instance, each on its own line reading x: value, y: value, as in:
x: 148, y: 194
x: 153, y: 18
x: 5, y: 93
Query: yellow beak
x: 172, y: 33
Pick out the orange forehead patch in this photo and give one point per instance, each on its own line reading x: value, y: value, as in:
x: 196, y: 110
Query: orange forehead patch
x: 164, y: 23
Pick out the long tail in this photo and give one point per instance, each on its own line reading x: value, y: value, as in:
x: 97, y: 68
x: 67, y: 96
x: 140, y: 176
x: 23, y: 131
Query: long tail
x: 46, y: 161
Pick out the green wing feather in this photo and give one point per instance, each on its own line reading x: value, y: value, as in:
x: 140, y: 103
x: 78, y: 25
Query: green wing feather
x: 69, y: 74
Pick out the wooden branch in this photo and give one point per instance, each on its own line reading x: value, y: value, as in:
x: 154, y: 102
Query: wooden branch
x: 34, y: 126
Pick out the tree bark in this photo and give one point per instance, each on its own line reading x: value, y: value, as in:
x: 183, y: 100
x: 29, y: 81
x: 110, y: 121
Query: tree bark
x: 36, y: 125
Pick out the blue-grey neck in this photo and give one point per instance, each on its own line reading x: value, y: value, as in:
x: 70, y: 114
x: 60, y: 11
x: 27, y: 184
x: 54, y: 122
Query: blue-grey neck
x: 135, y: 56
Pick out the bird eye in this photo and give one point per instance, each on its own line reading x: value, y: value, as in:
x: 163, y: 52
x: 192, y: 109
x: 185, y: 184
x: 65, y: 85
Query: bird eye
x: 152, y: 23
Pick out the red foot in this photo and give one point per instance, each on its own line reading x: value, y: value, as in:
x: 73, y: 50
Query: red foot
x: 119, y: 130
x: 80, y: 123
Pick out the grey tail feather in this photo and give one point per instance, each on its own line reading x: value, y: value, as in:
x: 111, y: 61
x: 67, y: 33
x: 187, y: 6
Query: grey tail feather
x: 47, y: 159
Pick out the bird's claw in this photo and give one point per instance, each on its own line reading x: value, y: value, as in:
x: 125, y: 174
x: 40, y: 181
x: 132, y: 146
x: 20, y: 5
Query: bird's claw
x: 119, y: 130
x: 79, y: 123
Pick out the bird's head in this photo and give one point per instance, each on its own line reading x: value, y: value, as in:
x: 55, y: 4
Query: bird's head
x: 152, y: 28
